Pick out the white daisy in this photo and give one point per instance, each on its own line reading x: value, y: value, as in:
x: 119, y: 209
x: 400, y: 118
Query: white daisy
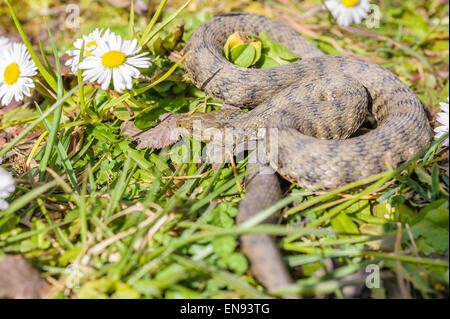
x: 114, y: 59
x: 442, y: 118
x: 90, y: 43
x: 348, y: 11
x: 3, y: 42
x: 16, y: 70
x: 7, y: 187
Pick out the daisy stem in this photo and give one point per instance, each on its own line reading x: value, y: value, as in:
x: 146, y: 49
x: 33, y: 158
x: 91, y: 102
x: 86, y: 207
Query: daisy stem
x: 80, y: 79
x: 44, y: 57
x: 149, y: 27
x: 149, y: 34
x: 131, y: 22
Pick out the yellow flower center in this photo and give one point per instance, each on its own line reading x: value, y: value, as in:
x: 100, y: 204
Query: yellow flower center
x: 12, y: 73
x: 113, y: 59
x: 350, y: 3
x: 90, y: 45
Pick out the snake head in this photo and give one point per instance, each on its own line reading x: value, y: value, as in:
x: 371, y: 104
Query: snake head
x: 207, y: 127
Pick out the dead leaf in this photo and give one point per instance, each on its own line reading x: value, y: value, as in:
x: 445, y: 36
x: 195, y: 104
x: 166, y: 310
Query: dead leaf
x: 18, y: 280
x: 129, y: 129
x: 164, y: 134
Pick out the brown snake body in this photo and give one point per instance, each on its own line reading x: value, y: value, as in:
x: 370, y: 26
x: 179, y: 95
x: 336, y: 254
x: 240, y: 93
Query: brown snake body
x: 314, y: 105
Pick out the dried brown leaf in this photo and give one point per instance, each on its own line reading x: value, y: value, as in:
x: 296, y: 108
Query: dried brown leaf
x: 163, y: 135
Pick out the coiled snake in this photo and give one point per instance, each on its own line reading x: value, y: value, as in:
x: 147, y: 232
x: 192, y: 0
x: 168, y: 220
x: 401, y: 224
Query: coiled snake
x: 314, y: 105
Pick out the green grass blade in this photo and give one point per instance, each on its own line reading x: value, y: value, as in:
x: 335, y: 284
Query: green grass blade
x: 25, y: 200
x: 163, y: 24
x: 131, y: 22
x: 58, y: 232
x: 80, y: 80
x: 57, y: 115
x: 29, y: 128
x: 47, y: 63
x: 221, y: 275
x: 118, y: 189
x: 145, y: 36
x: 62, y: 155
x: 31, y: 233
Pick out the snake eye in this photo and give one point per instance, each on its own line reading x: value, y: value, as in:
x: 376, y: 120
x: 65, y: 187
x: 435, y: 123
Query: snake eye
x: 184, y: 123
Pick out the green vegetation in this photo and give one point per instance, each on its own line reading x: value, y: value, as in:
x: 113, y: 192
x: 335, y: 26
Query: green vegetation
x: 141, y: 223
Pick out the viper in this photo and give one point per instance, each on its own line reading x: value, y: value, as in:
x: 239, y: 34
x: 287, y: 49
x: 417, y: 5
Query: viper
x: 309, y: 109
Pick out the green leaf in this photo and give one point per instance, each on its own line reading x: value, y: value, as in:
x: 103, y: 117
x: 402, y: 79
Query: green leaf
x: 310, y: 268
x: 383, y: 210
x: 103, y: 132
x: 19, y: 114
x: 123, y: 291
x: 343, y: 223
x: 243, y: 55
x: 277, y: 51
x: 441, y: 203
x: 96, y: 289
x: 37, y: 241
x: 423, y: 176
x: 434, y: 228
x: 258, y: 48
x: 146, y: 287
x: 72, y: 215
x: 174, y: 104
x: 148, y: 119
x: 223, y: 215
x: 435, y: 186
x: 237, y: 263
x: 371, y: 229
x: 419, y: 189
x: 224, y: 245
x: 359, y: 206
x: 181, y: 292
x: 170, y: 275
x: 266, y: 62
x: 423, y: 247
x: 9, y: 223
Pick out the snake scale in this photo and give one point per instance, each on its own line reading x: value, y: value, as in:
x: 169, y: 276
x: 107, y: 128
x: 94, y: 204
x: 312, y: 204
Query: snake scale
x: 314, y: 104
